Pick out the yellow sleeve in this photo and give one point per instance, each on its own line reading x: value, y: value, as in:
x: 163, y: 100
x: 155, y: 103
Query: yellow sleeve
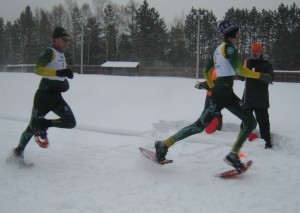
x: 43, y: 60
x: 245, y: 72
x: 237, y: 64
x: 208, y: 77
x: 207, y: 73
x: 45, y: 71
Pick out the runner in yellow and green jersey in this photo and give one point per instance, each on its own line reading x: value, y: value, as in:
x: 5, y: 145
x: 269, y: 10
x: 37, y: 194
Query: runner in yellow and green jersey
x: 227, y: 64
x: 52, y: 67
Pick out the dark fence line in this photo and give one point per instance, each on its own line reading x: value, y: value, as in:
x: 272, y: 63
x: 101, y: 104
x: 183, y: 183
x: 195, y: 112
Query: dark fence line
x: 287, y: 76
x: 279, y: 76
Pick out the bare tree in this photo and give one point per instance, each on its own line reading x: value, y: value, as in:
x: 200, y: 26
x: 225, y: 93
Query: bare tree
x: 99, y: 6
x: 130, y: 14
x: 58, y: 16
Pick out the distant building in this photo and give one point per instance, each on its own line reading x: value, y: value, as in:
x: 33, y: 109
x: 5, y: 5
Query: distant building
x: 125, y: 68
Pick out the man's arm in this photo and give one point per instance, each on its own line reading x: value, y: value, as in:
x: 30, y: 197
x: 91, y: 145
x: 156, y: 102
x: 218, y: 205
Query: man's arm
x: 244, y: 71
x: 43, y: 60
x: 207, y: 73
x: 268, y: 71
x: 232, y: 55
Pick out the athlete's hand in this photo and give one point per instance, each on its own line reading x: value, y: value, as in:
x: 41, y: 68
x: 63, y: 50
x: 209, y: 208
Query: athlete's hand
x: 202, y: 85
x: 65, y: 73
x: 266, y: 78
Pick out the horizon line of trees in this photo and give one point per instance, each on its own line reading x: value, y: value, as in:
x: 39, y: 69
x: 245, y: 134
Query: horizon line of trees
x: 137, y: 33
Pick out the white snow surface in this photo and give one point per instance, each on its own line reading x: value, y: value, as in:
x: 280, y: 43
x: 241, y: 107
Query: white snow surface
x: 122, y: 64
x: 98, y: 168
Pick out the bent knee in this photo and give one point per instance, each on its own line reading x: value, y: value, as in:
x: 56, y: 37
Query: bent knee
x: 71, y: 123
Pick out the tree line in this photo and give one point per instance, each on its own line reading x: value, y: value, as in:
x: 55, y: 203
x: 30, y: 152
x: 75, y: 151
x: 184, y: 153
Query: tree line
x: 137, y: 33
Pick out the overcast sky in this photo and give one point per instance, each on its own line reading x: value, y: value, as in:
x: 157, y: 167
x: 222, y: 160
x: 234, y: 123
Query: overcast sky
x: 168, y: 9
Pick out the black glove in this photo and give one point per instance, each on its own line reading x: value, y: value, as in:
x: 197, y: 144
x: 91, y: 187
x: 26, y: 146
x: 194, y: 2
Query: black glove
x: 64, y: 86
x: 241, y: 78
x: 202, y: 85
x: 266, y: 78
x: 65, y: 73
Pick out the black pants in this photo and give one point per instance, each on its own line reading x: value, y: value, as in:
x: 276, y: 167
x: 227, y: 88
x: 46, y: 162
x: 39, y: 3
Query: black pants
x: 262, y: 118
x: 44, y: 102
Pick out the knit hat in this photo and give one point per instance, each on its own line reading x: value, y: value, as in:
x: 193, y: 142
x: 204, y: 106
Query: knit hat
x: 228, y: 28
x: 59, y: 32
x: 257, y: 47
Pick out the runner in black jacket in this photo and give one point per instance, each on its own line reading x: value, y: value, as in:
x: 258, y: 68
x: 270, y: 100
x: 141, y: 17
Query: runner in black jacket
x: 256, y: 93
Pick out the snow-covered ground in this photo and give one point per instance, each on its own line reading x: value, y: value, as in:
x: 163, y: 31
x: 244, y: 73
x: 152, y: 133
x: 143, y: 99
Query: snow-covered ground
x: 97, y: 167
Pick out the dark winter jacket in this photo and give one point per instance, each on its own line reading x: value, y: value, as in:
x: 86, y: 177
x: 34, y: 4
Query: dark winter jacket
x: 256, y: 93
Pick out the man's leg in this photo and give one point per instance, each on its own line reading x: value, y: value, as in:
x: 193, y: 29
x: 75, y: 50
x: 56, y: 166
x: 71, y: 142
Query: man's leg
x: 206, y: 117
x: 196, y: 127
x: 63, y: 110
x: 262, y: 117
x: 39, y: 110
x: 239, y: 109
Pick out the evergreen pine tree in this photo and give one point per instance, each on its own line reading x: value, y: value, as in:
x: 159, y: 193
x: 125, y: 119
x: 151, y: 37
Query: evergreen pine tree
x: 151, y: 35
